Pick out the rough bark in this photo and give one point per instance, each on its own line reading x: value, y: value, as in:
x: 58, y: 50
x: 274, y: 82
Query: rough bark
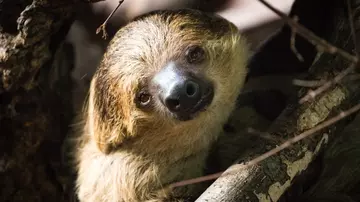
x: 273, y: 177
x: 35, y: 98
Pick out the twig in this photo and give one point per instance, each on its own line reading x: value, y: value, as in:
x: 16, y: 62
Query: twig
x: 308, y: 83
x: 292, y: 42
x: 352, y: 26
x: 264, y: 135
x: 273, y: 151
x: 103, y: 26
x: 313, y: 93
x: 310, y: 36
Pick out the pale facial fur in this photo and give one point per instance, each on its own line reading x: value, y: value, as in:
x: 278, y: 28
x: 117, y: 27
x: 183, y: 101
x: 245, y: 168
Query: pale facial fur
x: 126, y: 153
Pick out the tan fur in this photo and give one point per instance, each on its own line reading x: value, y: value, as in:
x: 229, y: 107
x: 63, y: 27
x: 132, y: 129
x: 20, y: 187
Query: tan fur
x: 127, y: 154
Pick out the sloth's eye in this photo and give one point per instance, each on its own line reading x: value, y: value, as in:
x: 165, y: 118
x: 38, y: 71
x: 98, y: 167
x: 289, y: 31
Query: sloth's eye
x: 143, y: 99
x: 195, y: 54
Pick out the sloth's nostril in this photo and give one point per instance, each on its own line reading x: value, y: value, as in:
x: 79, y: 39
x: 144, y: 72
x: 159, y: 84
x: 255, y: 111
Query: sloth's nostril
x: 172, y: 104
x: 191, y: 88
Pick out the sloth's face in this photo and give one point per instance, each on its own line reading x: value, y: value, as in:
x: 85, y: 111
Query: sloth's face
x: 179, y: 66
x: 180, y: 88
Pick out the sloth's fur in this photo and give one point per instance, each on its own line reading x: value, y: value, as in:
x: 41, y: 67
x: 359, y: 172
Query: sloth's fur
x: 124, y: 153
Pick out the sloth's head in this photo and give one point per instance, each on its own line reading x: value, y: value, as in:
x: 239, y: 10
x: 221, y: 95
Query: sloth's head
x: 166, y: 69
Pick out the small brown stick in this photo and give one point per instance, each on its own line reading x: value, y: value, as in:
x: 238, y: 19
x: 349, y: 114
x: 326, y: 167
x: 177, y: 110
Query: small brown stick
x: 313, y: 93
x: 292, y: 42
x: 103, y: 26
x: 308, y: 83
x: 272, y: 151
x: 310, y: 36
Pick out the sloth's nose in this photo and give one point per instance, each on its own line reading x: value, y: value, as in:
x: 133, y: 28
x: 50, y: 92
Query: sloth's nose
x: 183, y: 95
x: 181, y: 92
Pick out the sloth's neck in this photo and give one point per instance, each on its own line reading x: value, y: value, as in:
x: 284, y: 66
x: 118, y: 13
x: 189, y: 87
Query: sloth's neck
x: 177, y: 143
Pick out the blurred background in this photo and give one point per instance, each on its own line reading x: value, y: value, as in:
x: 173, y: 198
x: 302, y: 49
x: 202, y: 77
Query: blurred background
x: 252, y: 18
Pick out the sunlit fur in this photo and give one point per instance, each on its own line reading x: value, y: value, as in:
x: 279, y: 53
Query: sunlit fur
x: 128, y: 154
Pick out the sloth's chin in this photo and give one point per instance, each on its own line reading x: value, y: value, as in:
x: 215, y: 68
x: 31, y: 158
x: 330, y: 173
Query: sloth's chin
x: 200, y: 107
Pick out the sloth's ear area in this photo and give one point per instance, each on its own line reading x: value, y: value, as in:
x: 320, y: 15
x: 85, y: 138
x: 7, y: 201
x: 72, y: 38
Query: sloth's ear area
x: 106, y: 114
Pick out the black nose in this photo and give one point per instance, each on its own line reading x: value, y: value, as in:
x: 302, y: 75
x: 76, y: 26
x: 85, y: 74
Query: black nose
x: 183, y: 96
x: 182, y: 93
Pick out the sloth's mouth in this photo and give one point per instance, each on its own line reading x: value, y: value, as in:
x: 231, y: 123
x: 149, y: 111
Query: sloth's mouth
x: 199, y: 107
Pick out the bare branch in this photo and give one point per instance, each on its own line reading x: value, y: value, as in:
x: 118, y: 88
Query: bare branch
x: 310, y: 36
x: 312, y: 94
x: 103, y: 26
x: 292, y: 42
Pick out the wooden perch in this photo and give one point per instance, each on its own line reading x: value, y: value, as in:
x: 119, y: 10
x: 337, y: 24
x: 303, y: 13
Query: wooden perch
x: 269, y: 180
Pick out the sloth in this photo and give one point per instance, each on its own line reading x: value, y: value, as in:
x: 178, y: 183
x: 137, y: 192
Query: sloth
x: 158, y: 101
